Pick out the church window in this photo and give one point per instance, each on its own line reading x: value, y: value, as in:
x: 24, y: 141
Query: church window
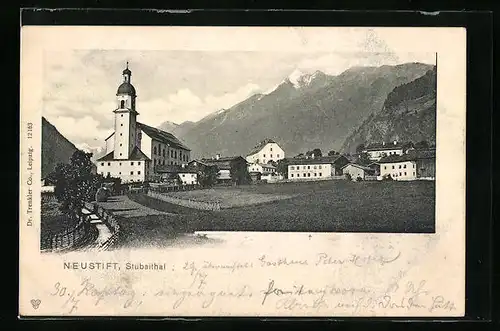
x: 171, y: 162
x: 122, y: 104
x: 164, y: 152
x: 171, y: 153
x: 175, y: 154
x: 154, y: 161
x: 154, y: 150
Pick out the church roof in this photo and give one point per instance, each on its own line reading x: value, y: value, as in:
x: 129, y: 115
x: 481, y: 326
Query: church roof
x: 136, y: 155
x: 162, y: 136
x: 126, y: 88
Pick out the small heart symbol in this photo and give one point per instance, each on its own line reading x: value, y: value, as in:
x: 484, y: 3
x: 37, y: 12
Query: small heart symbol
x: 36, y: 303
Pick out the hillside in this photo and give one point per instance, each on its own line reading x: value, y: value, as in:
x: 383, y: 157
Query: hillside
x: 304, y: 112
x: 55, y: 148
x: 408, y: 114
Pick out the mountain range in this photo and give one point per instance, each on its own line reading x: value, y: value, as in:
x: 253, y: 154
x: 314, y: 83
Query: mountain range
x: 305, y: 111
x: 55, y: 148
x: 408, y: 114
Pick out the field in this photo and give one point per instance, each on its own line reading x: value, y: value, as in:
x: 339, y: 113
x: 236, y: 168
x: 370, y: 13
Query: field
x: 328, y: 206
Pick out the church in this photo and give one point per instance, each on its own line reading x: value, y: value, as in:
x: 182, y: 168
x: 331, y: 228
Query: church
x: 134, y: 151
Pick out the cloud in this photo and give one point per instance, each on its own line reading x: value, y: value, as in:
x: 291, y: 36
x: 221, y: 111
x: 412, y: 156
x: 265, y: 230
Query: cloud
x: 79, y: 130
x: 184, y: 105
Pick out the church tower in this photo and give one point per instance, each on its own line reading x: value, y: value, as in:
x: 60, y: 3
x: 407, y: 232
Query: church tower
x: 125, y: 118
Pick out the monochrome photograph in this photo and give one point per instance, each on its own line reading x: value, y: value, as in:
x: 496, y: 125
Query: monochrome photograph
x: 187, y: 171
x: 139, y: 147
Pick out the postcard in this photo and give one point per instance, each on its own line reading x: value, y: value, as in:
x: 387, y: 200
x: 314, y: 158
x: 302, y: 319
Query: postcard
x: 242, y: 171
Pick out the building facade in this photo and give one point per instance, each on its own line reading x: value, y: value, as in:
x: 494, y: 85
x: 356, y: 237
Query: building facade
x: 267, y: 150
x: 178, y: 174
x: 416, y: 164
x: 262, y: 168
x: 134, y: 150
x: 357, y: 171
x: 316, y: 168
x: 377, y: 151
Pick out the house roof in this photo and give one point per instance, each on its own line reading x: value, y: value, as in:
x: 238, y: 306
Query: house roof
x: 413, y: 155
x: 358, y: 166
x: 174, y: 169
x: 317, y: 160
x: 387, y: 146
x: 257, y: 148
x: 197, y: 162
x: 223, y: 163
x: 136, y: 155
x: 162, y: 136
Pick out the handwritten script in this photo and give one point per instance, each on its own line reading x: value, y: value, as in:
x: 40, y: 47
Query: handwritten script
x: 197, y: 285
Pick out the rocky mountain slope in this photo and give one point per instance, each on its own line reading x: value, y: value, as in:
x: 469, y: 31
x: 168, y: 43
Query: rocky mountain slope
x: 55, y: 147
x: 303, y: 112
x: 408, y: 114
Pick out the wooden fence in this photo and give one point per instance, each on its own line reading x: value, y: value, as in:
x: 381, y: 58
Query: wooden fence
x: 68, y: 238
x: 201, y: 205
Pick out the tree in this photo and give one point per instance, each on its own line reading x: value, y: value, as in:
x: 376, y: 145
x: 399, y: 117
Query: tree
x: 363, y: 158
x: 239, y: 172
x: 316, y: 152
x: 422, y: 145
x: 332, y: 153
x: 207, y: 177
x: 282, y: 167
x: 360, y: 148
x: 74, y: 182
x: 300, y: 155
x: 273, y: 163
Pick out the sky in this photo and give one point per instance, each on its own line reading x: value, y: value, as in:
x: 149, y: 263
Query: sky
x: 79, y: 86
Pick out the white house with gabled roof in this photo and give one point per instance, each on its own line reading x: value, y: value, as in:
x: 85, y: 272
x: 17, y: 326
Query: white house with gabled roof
x: 265, y: 151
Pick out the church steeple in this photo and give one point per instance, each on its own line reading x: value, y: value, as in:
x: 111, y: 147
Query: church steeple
x: 126, y: 75
x: 125, y: 118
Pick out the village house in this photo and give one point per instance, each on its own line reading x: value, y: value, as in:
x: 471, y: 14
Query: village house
x: 267, y: 150
x: 134, y: 150
x: 261, y: 171
x: 178, y: 174
x: 357, y: 171
x: 377, y: 151
x: 316, y: 168
x: 223, y: 164
x: 416, y: 164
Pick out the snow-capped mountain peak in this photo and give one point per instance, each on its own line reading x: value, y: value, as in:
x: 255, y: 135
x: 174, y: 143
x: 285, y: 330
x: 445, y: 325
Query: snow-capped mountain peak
x: 296, y: 78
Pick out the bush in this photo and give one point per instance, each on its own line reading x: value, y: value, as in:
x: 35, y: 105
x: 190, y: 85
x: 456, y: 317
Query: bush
x: 387, y: 177
x: 359, y: 179
x: 348, y: 176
